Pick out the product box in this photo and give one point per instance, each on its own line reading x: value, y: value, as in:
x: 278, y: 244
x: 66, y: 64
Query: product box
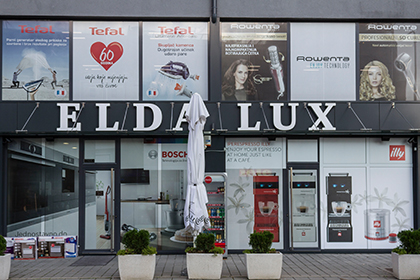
x: 51, y: 246
x: 25, y: 248
x: 70, y: 246
x: 10, y: 242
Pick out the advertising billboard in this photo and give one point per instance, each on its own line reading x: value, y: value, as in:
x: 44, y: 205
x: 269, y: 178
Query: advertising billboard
x: 254, y: 61
x: 105, y: 61
x: 388, y: 61
x: 323, y: 61
x: 35, y: 60
x: 175, y: 60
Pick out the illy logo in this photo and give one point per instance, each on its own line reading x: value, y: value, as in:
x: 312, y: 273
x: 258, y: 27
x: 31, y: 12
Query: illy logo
x: 377, y: 224
x: 396, y: 152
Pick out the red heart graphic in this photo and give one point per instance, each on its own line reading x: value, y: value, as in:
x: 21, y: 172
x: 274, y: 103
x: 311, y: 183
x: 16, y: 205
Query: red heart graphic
x: 106, y: 56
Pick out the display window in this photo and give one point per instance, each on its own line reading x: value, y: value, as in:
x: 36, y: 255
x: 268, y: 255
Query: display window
x: 43, y: 187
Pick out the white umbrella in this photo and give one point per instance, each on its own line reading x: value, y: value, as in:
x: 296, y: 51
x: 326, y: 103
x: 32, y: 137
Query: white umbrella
x: 195, y: 211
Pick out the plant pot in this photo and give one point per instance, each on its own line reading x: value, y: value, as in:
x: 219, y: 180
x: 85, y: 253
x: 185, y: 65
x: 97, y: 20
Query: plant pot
x: 204, y: 265
x: 5, y: 262
x: 406, y: 266
x: 136, y: 266
x: 264, y: 266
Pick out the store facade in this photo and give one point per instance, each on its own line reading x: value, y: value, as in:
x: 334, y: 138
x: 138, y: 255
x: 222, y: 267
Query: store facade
x: 313, y: 125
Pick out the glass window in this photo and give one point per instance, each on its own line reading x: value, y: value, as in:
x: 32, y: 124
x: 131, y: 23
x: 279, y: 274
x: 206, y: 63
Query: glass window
x: 43, y: 187
x: 99, y: 151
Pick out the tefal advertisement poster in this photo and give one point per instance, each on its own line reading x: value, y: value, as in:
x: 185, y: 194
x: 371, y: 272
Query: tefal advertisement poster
x: 175, y: 60
x: 35, y: 60
x: 254, y: 189
x: 388, y: 61
x: 254, y: 61
x: 105, y: 61
x: 323, y: 61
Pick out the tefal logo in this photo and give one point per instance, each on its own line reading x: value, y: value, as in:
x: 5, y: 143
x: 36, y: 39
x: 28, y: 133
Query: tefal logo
x: 106, y: 31
x: 36, y: 29
x: 208, y: 180
x: 175, y: 30
x: 396, y: 152
x: 377, y: 224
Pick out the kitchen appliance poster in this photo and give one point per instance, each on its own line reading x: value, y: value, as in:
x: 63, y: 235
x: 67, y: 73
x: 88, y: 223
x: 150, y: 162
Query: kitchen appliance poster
x: 106, y: 61
x: 389, y: 49
x: 175, y: 60
x: 254, y: 61
x: 254, y: 189
x: 35, y: 60
x: 323, y: 61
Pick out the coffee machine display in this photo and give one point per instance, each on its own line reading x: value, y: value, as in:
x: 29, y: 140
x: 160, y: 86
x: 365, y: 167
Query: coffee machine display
x: 339, y: 209
x: 266, y: 193
x: 304, y: 214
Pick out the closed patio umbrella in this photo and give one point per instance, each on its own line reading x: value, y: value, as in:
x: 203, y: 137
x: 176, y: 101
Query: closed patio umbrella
x: 195, y: 210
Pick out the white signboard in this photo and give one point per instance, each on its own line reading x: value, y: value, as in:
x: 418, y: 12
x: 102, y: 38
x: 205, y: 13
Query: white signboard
x: 105, y: 61
x: 175, y: 60
x: 323, y: 63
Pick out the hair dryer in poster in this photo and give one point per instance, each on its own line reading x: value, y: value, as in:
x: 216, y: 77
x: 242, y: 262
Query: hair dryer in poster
x: 254, y: 61
x: 388, y: 61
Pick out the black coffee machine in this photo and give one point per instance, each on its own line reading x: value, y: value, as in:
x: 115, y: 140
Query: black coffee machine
x: 339, y: 208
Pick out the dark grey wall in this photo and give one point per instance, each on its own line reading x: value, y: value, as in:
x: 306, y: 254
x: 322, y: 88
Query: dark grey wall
x: 243, y: 9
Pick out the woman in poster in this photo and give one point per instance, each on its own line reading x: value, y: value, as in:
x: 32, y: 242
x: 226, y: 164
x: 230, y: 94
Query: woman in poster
x: 237, y: 84
x: 375, y: 83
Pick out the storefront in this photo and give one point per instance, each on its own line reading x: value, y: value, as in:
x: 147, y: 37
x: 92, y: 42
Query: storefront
x: 316, y: 143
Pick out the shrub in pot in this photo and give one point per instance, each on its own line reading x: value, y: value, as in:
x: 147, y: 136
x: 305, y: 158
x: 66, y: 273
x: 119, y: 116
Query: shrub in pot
x: 5, y: 260
x: 262, y: 261
x: 138, y: 259
x: 406, y: 257
x: 204, y: 260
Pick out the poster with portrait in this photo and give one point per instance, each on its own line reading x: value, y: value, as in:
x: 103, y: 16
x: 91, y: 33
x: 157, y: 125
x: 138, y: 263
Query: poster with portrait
x: 175, y: 60
x: 323, y: 61
x: 35, y: 60
x: 254, y: 61
x: 106, y: 61
x: 388, y: 61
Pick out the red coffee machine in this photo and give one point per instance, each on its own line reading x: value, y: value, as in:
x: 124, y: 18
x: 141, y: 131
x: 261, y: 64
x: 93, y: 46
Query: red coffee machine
x: 266, y: 193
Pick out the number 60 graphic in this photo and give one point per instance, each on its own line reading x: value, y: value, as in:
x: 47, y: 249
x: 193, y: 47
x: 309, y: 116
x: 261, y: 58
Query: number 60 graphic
x: 106, y: 56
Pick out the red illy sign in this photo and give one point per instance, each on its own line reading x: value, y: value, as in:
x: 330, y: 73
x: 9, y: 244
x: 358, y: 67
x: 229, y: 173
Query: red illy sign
x: 396, y: 152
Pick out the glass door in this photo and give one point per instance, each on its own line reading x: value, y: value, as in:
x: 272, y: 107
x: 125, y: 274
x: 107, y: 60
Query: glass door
x: 99, y: 223
x: 303, y: 201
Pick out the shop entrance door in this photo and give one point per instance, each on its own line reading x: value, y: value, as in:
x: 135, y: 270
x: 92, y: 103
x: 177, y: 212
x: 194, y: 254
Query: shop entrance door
x: 304, y: 209
x: 99, y: 225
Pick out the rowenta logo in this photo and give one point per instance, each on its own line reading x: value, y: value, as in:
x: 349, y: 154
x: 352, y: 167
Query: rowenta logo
x: 396, y: 152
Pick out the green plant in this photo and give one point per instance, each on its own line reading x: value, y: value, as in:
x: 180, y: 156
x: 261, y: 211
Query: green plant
x: 204, y: 243
x: 2, y: 245
x: 261, y: 242
x: 410, y: 242
x: 137, y: 242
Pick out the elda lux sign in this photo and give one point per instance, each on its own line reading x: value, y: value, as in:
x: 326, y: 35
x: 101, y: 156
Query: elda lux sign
x: 70, y: 111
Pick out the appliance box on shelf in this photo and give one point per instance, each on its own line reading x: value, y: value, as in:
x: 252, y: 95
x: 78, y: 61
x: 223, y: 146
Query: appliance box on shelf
x: 25, y: 248
x: 51, y: 247
x: 70, y: 246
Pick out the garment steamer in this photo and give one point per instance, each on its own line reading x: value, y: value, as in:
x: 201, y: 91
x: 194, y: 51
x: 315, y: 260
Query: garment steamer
x: 108, y: 234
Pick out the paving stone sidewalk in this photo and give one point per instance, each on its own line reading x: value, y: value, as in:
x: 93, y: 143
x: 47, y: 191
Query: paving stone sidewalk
x: 295, y: 266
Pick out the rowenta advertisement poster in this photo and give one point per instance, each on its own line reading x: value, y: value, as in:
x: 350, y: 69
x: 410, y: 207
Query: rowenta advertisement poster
x: 254, y: 61
x: 388, y: 61
x: 175, y: 60
x: 323, y: 61
x: 35, y: 60
x: 106, y: 61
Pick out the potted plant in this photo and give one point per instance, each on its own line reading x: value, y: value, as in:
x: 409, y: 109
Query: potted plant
x: 5, y: 260
x: 406, y: 257
x: 138, y: 259
x: 204, y: 260
x: 262, y: 261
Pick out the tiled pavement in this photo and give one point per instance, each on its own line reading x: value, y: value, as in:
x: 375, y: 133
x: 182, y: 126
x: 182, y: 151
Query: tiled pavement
x: 295, y: 266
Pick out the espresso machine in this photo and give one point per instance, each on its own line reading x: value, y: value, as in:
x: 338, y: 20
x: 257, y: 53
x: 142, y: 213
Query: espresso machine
x: 339, y: 208
x: 266, y: 193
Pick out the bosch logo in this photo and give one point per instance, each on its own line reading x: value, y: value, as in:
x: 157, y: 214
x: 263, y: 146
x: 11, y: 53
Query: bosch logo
x: 174, y: 154
x: 153, y: 154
